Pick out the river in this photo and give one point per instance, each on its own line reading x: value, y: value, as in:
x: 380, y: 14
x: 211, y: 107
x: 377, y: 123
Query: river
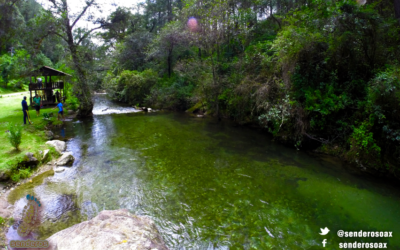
x: 211, y: 185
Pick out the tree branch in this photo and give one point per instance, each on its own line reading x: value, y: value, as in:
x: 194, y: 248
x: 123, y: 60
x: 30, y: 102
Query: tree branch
x: 58, y: 34
x: 87, y: 34
x: 82, y: 13
x: 54, y: 3
x: 321, y: 140
x: 12, y: 4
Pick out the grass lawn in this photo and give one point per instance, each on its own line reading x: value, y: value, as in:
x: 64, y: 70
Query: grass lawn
x: 33, y: 136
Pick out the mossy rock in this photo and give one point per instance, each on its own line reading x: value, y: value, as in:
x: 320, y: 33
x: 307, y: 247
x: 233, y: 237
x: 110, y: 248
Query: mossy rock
x: 5, y: 174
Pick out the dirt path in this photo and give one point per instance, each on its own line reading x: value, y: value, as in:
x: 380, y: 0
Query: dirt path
x: 14, y: 94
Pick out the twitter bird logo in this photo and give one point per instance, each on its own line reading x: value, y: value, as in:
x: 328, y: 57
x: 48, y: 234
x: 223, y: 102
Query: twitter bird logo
x: 324, y: 231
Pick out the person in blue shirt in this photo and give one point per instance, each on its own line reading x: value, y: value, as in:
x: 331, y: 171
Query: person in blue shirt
x: 25, y: 109
x: 60, y: 110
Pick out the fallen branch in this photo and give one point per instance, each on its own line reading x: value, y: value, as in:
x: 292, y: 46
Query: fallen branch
x: 321, y: 140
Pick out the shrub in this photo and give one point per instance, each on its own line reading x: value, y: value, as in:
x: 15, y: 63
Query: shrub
x: 363, y: 146
x: 25, y: 173
x: 20, y: 174
x: 2, y: 220
x: 15, y: 177
x: 131, y: 86
x: 172, y: 93
x: 72, y: 102
x: 15, y: 135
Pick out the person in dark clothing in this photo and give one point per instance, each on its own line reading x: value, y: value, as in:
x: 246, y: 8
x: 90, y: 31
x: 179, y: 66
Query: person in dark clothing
x: 25, y: 109
x: 57, y: 96
x: 39, y: 83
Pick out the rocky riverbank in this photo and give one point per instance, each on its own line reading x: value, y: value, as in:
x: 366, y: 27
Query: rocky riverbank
x: 110, y: 229
x: 117, y: 229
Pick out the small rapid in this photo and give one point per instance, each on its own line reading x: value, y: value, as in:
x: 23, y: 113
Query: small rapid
x: 105, y: 107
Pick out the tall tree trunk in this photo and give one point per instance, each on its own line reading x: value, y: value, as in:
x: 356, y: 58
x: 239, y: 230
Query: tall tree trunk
x: 272, y: 15
x: 169, y: 8
x: 215, y: 86
x: 82, y: 89
x: 397, y: 9
x: 169, y: 61
x: 84, y: 94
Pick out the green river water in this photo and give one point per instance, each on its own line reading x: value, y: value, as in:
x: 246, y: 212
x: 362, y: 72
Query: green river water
x: 211, y: 185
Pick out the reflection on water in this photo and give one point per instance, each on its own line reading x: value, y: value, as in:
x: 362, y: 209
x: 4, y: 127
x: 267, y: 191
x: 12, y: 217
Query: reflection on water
x: 208, y: 185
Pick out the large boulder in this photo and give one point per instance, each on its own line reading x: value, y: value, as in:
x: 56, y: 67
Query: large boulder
x: 110, y: 229
x: 66, y: 159
x: 60, y: 146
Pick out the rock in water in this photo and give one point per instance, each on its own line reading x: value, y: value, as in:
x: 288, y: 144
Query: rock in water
x: 60, y: 146
x: 110, y: 229
x: 66, y: 159
x: 59, y: 169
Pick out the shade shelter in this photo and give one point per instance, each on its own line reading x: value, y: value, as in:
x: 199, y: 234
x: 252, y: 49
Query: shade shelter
x: 49, y: 89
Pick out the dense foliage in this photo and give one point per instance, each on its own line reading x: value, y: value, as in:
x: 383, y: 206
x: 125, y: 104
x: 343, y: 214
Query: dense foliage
x: 315, y: 73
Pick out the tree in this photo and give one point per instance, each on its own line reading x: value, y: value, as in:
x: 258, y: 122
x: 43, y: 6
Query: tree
x: 397, y: 9
x: 131, y: 54
x: 117, y: 25
x: 82, y: 89
x: 171, y: 37
x: 10, y: 21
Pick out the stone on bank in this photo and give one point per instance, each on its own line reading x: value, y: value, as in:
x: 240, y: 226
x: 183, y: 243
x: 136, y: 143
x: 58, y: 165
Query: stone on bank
x: 45, y: 154
x: 110, y: 229
x: 30, y: 159
x: 60, y: 146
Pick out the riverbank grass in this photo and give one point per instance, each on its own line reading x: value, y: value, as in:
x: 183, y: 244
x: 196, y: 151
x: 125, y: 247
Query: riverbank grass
x: 33, y: 135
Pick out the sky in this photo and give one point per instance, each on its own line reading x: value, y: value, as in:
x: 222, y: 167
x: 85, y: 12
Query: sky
x: 106, y: 7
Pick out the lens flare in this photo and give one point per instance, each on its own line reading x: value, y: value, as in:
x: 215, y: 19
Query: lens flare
x: 193, y: 24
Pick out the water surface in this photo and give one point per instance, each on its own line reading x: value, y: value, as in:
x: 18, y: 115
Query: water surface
x: 210, y: 185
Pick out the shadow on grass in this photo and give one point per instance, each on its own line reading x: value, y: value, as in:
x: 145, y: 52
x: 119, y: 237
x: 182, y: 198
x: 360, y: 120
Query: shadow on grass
x: 14, y: 152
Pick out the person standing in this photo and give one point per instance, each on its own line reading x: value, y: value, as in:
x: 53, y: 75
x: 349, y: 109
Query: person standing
x: 60, y: 110
x: 39, y: 82
x: 57, y: 96
x: 38, y: 102
x: 25, y: 109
